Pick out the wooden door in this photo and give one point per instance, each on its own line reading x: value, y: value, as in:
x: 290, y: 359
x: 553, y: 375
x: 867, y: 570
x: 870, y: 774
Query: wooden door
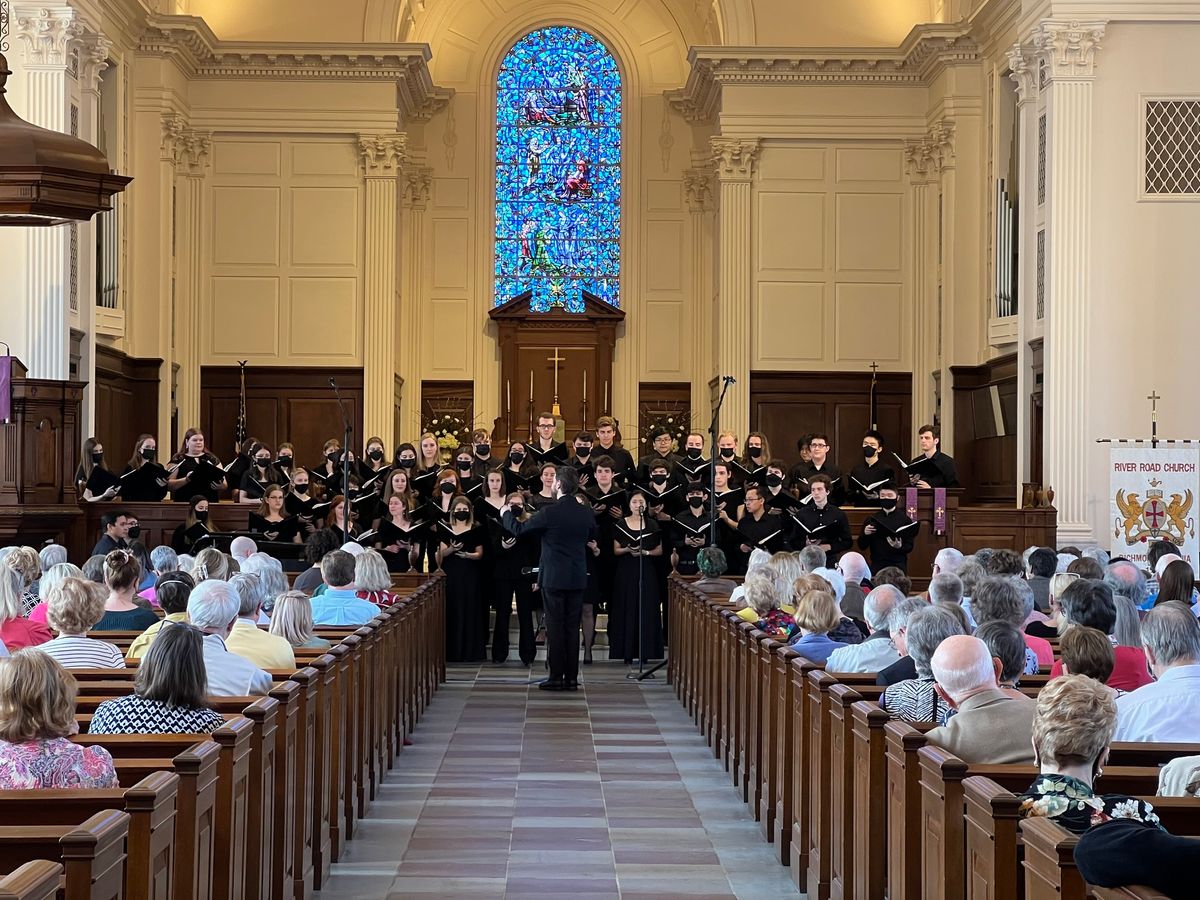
x: 576, y: 368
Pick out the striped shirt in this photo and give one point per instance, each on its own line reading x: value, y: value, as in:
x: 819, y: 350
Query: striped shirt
x: 914, y: 700
x: 77, y: 652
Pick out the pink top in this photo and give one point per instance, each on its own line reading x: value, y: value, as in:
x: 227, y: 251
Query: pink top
x: 38, y: 613
x: 1041, y: 648
x: 151, y: 594
x: 1130, y: 669
x: 55, y: 763
x: 18, y: 633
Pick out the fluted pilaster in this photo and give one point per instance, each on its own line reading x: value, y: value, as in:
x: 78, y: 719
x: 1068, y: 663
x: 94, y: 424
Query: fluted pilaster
x: 735, y: 160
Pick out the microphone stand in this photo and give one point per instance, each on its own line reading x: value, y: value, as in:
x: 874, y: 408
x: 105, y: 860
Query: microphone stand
x: 726, y: 380
x: 345, y: 463
x: 640, y: 674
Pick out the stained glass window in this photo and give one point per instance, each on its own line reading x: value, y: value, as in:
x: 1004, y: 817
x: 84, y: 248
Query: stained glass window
x: 558, y: 170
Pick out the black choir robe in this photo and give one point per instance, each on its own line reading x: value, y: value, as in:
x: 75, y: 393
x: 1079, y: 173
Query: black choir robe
x: 771, y: 533
x: 862, y: 487
x: 823, y: 525
x: 895, y: 524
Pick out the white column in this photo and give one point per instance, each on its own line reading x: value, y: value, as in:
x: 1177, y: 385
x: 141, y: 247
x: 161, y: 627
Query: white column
x: 947, y: 225
x: 919, y: 160
x: 418, y: 182
x: 1068, y: 50
x: 697, y: 185
x: 735, y: 159
x: 381, y: 157
x: 49, y: 37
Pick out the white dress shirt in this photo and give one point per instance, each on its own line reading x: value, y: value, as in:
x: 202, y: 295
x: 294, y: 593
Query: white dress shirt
x: 229, y: 675
x: 1166, y: 711
x: 873, y: 654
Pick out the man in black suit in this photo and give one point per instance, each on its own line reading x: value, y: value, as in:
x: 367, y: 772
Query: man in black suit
x: 116, y: 533
x: 566, y: 526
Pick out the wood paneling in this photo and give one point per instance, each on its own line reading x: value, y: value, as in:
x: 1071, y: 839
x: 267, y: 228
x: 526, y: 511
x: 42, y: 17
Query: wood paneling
x: 788, y: 405
x: 126, y: 403
x: 283, y: 403
x: 985, y: 440
x: 657, y: 401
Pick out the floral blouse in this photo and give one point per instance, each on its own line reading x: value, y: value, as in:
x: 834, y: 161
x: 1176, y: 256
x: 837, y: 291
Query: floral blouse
x: 1076, y: 807
x: 56, y: 763
x: 778, y: 624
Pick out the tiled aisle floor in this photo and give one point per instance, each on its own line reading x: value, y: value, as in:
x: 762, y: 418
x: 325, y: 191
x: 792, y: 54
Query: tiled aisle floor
x: 512, y: 792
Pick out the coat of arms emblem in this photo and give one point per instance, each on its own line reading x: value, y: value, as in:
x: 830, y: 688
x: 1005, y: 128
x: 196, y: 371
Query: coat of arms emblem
x: 1154, y: 519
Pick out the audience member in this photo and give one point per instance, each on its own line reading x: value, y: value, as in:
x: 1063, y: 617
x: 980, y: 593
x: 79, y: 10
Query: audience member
x: 93, y: 569
x: 274, y: 581
x: 15, y: 630
x: 37, y: 715
x: 50, y: 579
x: 242, y: 548
x: 162, y: 559
x: 847, y: 630
x: 169, y: 691
x: 212, y: 565
x: 970, y: 573
x: 711, y: 563
x: 895, y: 577
x: 1004, y: 563
x: 991, y: 726
x: 1086, y: 568
x: 115, y: 527
x: 122, y: 572
x: 320, y: 544
x: 1176, y: 584
x: 915, y: 699
x: 996, y: 599
x: 1124, y: 851
x: 292, y: 620
x: 904, y: 668
x: 816, y: 616
x: 49, y: 556
x: 877, y: 651
x: 1127, y: 632
x: 213, y: 608
x: 1126, y: 580
x: 1100, y: 556
x: 765, y: 587
x: 1056, y: 622
x: 146, y: 567
x: 1041, y: 568
x: 947, y: 560
x: 1090, y: 603
x: 812, y: 557
x: 853, y: 567
x: 25, y: 562
x: 372, y: 578
x: 1028, y: 601
x: 340, y: 604
x: 74, y: 607
x: 1007, y: 646
x: 1072, y: 726
x: 247, y: 640
x: 1087, y: 651
x: 173, y: 590
x: 1169, y: 709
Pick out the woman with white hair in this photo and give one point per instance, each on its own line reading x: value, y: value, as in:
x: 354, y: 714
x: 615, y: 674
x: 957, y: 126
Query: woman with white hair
x: 292, y: 620
x: 847, y: 630
x: 162, y: 559
x: 372, y: 578
x: 53, y: 577
x: 765, y: 588
x: 270, y: 572
x: 75, y: 606
x: 15, y: 630
x: 25, y: 561
x: 212, y: 564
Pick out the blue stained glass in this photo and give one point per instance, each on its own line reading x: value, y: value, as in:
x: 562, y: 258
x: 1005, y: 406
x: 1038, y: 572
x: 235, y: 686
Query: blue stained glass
x: 558, y: 171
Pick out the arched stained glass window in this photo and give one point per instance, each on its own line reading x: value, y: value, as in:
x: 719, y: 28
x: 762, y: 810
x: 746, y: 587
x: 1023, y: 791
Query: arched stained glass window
x: 558, y: 170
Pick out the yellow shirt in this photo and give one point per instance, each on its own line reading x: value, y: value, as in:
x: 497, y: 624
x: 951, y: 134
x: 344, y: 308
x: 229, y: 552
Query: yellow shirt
x: 142, y: 642
x: 267, y: 651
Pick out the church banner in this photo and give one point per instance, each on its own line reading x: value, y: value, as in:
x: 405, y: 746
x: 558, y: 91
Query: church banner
x: 1153, y: 494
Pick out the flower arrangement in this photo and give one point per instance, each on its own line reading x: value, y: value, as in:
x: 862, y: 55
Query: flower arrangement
x: 676, y: 423
x: 450, y: 431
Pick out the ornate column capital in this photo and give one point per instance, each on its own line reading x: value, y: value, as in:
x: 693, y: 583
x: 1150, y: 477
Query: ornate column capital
x: 48, y: 33
x: 928, y: 158
x: 418, y: 183
x: 697, y: 188
x: 1068, y: 48
x: 92, y: 51
x: 735, y: 158
x: 185, y: 148
x: 382, y: 155
x: 1024, y: 67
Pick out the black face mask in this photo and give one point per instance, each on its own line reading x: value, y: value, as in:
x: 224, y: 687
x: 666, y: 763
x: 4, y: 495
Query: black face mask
x: 516, y: 458
x: 583, y: 452
x: 148, y: 454
x: 517, y: 508
x: 464, y: 465
x: 462, y: 515
x: 754, y: 452
x: 727, y: 452
x: 134, y: 532
x: 375, y: 455
x: 696, y: 502
x: 262, y: 462
x: 887, y: 505
x: 694, y: 452
x: 334, y: 456
x: 284, y: 462
x: 774, y: 480
x: 659, y: 478
x: 96, y: 457
x: 868, y: 452
x: 483, y: 449
x: 406, y: 462
x: 202, y: 515
x: 301, y: 488
x: 447, y: 487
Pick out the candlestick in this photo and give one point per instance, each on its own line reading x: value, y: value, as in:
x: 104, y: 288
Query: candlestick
x: 604, y: 408
x: 585, y: 385
x: 508, y: 397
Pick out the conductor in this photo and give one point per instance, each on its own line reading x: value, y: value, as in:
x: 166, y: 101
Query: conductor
x: 565, y: 527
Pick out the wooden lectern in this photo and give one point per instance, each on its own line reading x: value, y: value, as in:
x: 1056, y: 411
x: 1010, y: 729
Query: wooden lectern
x: 38, y: 450
x: 554, y: 358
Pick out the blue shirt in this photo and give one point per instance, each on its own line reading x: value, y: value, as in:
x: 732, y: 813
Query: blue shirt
x: 816, y: 647
x: 342, y: 607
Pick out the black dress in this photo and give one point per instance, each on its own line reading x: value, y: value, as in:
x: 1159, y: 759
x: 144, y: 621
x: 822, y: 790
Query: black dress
x: 606, y: 568
x: 389, y: 533
x: 688, y: 525
x: 141, y: 485
x: 197, y: 485
x: 623, y: 610
x: 284, y: 531
x: 509, y: 556
x: 466, y: 612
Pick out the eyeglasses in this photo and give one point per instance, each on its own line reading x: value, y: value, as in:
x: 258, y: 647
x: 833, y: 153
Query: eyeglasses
x: 818, y: 445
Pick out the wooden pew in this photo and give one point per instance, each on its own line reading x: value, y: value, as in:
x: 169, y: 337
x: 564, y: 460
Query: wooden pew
x: 777, y: 793
x: 150, y: 805
x: 870, y: 848
x: 35, y: 880
x: 92, y: 853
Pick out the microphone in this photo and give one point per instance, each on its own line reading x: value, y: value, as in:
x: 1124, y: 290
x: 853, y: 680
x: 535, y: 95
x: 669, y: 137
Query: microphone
x: 529, y: 571
x: 729, y: 379
x: 333, y: 384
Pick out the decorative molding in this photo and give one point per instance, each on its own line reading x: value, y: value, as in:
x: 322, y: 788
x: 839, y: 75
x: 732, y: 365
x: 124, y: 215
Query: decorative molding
x: 1068, y: 48
x: 185, y: 148
x: 924, y: 54
x: 450, y: 135
x: 382, y: 155
x: 200, y: 54
x: 665, y: 139
x: 735, y: 157
x: 418, y: 183
x: 1024, y: 66
x: 928, y: 157
x: 93, y: 50
x: 698, y: 188
x: 49, y: 34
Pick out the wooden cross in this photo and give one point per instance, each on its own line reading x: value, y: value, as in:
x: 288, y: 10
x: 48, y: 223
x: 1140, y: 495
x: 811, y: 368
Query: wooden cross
x: 1153, y: 398
x: 874, y: 368
x: 556, y: 359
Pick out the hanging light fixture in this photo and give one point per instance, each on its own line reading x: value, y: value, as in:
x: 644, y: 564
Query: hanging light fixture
x: 47, y: 177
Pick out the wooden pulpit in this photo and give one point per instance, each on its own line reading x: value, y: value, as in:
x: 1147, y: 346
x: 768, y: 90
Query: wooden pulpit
x: 554, y: 357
